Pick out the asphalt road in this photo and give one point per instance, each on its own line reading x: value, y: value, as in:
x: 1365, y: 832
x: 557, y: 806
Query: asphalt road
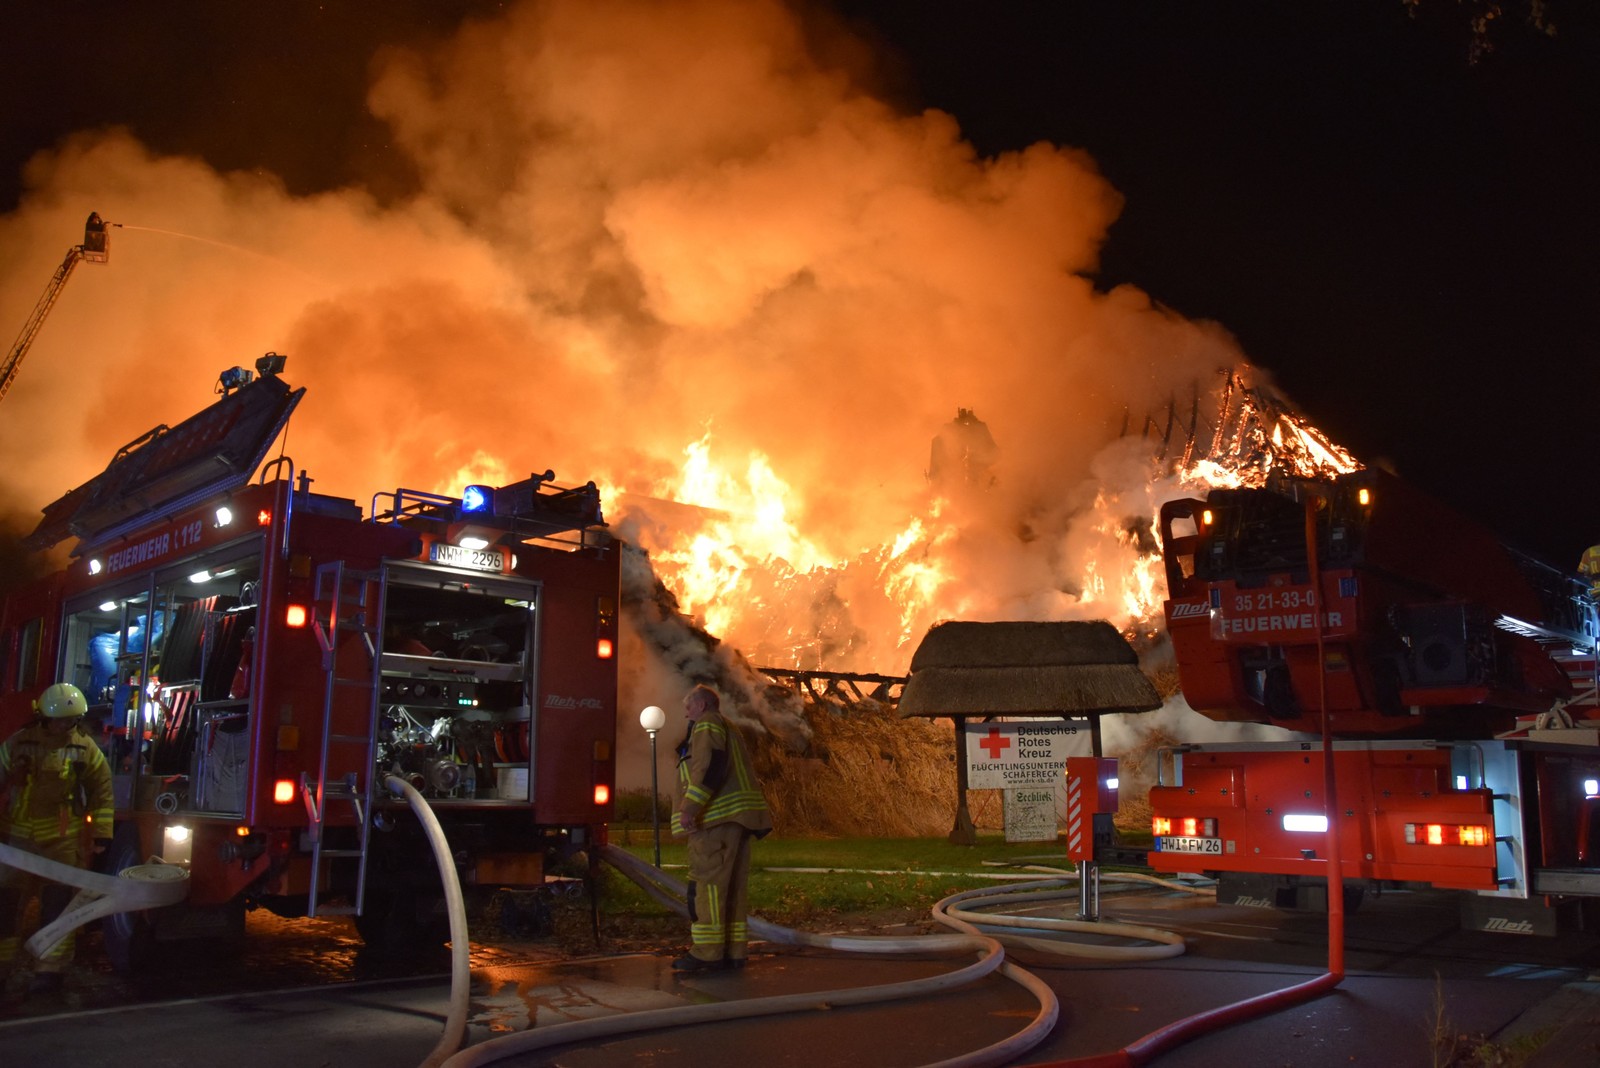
x: 304, y: 994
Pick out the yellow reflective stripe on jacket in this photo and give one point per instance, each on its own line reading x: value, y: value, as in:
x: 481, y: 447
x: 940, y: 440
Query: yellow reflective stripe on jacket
x: 738, y: 798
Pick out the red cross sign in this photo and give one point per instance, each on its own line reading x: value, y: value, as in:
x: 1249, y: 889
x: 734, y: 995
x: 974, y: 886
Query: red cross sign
x: 994, y: 743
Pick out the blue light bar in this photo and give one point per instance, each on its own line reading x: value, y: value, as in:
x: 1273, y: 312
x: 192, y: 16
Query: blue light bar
x: 477, y: 499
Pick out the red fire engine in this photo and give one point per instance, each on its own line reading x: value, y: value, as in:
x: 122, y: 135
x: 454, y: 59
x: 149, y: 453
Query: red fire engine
x: 262, y: 658
x: 1458, y: 679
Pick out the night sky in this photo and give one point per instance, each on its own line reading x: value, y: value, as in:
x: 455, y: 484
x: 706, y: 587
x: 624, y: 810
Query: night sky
x: 1406, y: 239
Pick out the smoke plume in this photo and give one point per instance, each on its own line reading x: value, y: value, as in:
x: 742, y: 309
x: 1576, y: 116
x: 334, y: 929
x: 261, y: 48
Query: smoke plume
x: 643, y: 229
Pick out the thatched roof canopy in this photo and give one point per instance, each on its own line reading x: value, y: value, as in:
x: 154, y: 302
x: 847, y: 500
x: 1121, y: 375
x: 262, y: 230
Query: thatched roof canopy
x: 1025, y: 669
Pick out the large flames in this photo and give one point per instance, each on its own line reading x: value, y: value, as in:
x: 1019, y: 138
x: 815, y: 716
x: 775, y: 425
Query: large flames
x: 741, y: 299
x: 737, y: 561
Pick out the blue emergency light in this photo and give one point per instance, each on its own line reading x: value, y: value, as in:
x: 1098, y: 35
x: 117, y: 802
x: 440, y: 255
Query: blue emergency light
x: 477, y: 499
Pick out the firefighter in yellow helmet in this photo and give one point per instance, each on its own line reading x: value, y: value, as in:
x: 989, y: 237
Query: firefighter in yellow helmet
x: 55, y: 793
x: 1589, y: 568
x: 721, y: 809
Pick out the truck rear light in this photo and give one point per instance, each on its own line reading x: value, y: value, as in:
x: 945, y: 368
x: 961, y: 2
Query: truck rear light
x: 283, y: 792
x: 604, y: 648
x: 263, y: 518
x: 1447, y: 834
x: 1160, y: 826
x: 295, y: 615
x: 602, y: 793
x: 1184, y: 826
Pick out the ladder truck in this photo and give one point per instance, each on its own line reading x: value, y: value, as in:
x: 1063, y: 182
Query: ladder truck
x: 260, y: 659
x: 1458, y: 681
x: 96, y: 248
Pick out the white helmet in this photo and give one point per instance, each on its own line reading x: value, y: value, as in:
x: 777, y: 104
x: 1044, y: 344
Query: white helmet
x: 62, y: 701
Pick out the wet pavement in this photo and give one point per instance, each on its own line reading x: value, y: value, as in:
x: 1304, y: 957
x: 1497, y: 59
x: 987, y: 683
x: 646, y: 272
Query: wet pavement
x: 303, y: 992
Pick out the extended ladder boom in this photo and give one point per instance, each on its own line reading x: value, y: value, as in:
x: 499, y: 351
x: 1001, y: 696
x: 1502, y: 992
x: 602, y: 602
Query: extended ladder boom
x: 96, y: 248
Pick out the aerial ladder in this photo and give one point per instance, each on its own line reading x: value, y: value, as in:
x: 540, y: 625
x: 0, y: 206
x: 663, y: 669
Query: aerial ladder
x: 96, y: 248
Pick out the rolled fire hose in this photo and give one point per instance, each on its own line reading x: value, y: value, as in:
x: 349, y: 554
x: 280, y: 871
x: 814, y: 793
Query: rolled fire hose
x: 144, y: 886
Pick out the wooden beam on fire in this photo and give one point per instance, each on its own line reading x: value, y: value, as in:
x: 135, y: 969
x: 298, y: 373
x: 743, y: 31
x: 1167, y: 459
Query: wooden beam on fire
x: 832, y: 685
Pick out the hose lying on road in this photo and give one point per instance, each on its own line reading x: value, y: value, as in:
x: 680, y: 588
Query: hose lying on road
x: 670, y: 892
x: 991, y: 958
x: 144, y: 886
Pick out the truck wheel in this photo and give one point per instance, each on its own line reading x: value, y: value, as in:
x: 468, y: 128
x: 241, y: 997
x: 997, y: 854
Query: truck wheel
x: 128, y: 937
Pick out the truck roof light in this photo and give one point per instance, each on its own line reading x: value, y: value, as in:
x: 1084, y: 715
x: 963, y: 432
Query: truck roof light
x: 477, y: 499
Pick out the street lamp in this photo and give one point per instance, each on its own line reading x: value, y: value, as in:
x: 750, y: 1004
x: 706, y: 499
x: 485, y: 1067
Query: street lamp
x: 653, y: 719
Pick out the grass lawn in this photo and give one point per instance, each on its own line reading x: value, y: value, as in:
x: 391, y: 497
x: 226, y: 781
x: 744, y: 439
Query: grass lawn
x: 920, y: 872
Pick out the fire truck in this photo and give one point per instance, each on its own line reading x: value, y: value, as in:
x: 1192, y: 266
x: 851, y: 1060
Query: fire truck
x: 1458, y: 679
x: 264, y: 660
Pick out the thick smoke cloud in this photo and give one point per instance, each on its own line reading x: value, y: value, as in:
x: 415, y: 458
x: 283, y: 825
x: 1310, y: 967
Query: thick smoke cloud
x: 639, y: 225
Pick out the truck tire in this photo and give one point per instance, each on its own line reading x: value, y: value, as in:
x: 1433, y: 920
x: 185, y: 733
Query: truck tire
x: 128, y: 937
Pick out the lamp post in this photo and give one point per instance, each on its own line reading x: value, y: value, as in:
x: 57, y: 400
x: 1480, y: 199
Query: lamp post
x: 653, y: 719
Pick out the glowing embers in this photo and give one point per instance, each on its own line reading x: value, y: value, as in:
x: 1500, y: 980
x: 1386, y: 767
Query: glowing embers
x: 1448, y: 834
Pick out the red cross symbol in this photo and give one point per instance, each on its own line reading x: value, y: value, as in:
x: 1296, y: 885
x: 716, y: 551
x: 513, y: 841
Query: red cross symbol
x: 994, y: 743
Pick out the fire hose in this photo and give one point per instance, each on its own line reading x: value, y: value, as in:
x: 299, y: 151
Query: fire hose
x: 143, y: 886
x: 671, y: 893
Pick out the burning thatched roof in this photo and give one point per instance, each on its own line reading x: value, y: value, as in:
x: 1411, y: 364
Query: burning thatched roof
x: 1018, y: 669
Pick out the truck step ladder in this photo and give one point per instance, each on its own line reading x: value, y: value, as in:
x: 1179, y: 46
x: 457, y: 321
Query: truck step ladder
x: 346, y: 602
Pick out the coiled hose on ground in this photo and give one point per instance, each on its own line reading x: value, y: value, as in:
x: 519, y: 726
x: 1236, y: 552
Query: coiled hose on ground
x: 969, y: 940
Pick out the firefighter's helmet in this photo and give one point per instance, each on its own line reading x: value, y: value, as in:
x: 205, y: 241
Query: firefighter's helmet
x: 62, y: 701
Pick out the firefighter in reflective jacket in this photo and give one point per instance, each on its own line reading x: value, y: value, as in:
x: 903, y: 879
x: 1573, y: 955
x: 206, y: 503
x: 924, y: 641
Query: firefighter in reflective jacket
x: 1589, y: 568
x: 720, y: 809
x: 55, y: 801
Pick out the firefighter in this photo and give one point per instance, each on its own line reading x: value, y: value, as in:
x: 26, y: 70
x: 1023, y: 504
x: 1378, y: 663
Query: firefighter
x: 55, y: 793
x: 1589, y: 568
x: 721, y: 809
